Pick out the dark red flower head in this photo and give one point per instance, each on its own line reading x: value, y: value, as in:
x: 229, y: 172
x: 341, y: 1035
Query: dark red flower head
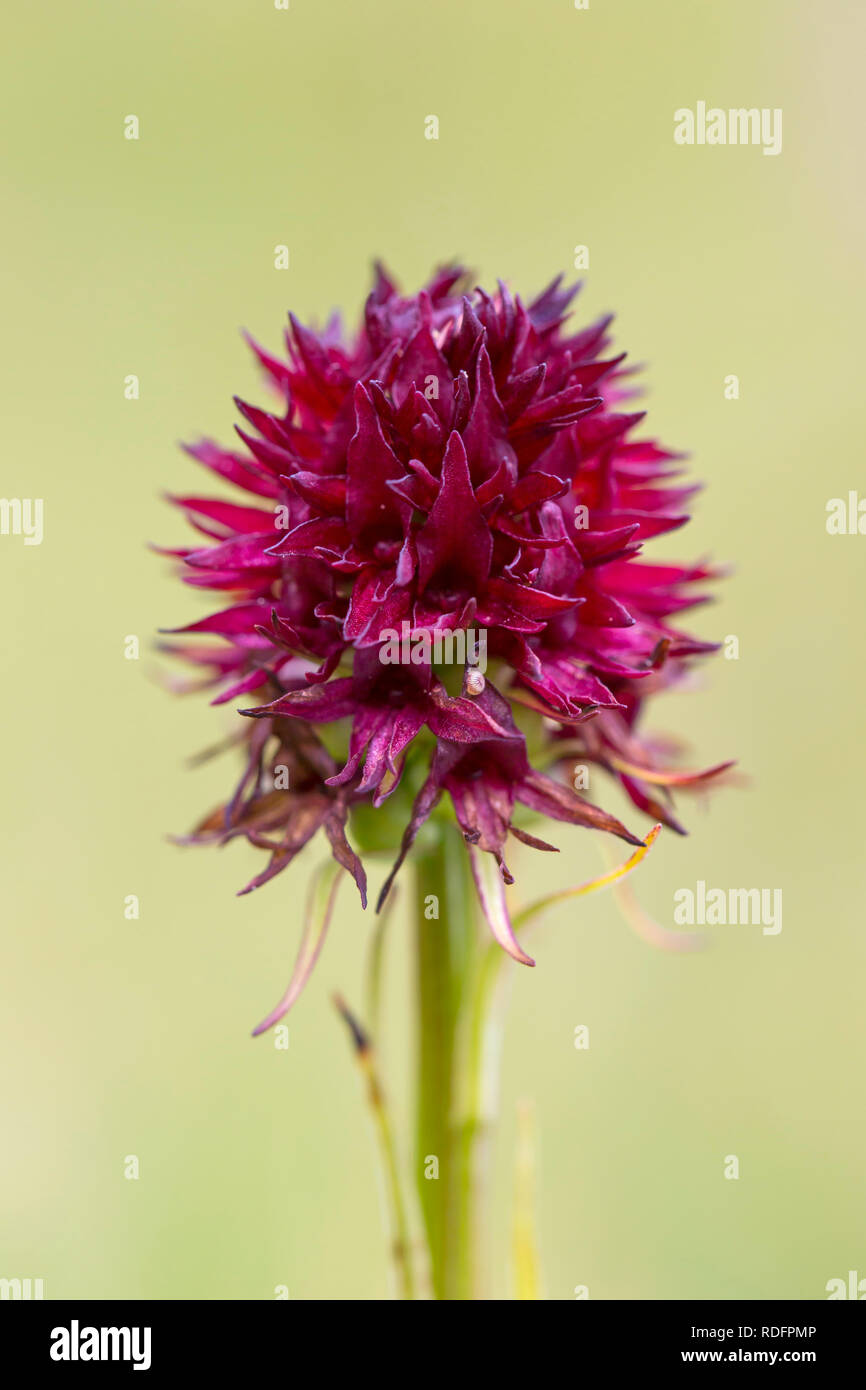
x: 461, y: 465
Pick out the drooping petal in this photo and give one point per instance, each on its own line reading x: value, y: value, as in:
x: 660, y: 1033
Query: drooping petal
x: 320, y: 906
x: 491, y: 895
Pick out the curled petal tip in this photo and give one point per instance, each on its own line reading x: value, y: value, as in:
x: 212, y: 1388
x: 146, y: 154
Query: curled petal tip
x: 491, y: 894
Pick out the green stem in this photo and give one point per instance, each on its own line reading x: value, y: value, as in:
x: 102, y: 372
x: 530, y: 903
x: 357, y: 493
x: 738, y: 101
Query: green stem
x: 446, y: 953
x: 479, y: 1094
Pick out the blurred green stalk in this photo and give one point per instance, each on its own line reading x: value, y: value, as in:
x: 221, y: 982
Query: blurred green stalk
x: 446, y: 957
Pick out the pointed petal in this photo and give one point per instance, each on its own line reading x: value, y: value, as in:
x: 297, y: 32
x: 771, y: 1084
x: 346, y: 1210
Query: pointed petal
x: 455, y: 535
x: 551, y: 798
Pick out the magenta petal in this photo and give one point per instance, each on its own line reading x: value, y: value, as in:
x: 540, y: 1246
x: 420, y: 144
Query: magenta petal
x: 370, y: 464
x: 455, y: 537
x: 253, y: 681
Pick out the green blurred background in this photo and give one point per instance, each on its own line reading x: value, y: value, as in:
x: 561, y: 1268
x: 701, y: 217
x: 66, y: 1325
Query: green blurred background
x: 123, y: 1037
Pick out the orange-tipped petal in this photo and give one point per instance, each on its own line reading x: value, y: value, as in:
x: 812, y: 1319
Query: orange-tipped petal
x: 593, y: 884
